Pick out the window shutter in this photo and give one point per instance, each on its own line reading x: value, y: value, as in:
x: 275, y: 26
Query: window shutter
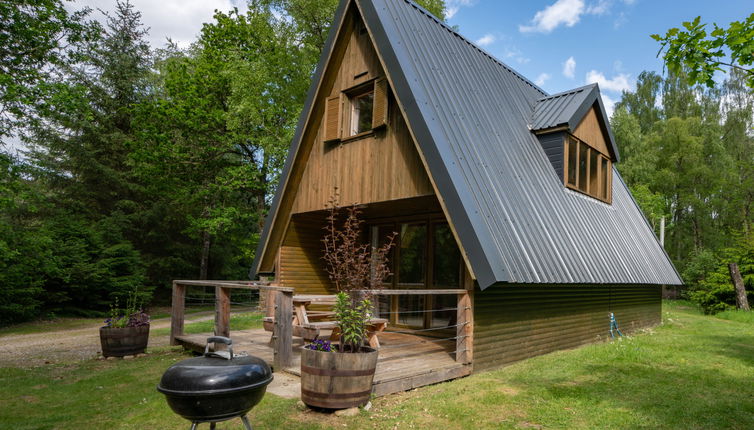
x: 332, y: 118
x: 379, y: 111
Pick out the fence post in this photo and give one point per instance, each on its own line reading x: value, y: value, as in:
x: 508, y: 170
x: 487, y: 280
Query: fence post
x: 465, y: 329
x: 222, y: 312
x: 283, y: 330
x: 177, y: 312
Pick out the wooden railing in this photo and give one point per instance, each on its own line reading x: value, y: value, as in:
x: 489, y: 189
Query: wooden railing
x: 279, y: 303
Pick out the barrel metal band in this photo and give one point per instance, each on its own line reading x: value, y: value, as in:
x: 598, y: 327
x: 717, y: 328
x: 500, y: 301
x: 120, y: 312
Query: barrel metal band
x: 322, y: 397
x: 335, y: 372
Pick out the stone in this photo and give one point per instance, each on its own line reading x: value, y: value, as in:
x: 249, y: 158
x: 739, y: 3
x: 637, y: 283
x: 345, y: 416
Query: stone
x: 141, y: 355
x: 128, y: 357
x: 301, y: 406
x: 368, y: 406
x: 350, y: 412
x: 112, y: 358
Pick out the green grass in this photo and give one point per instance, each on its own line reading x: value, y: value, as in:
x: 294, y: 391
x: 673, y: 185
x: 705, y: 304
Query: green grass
x: 692, y: 372
x: 736, y: 315
x: 242, y: 321
x: 41, y: 326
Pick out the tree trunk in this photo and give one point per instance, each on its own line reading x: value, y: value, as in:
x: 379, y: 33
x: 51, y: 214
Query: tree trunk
x: 741, y: 301
x: 205, y: 255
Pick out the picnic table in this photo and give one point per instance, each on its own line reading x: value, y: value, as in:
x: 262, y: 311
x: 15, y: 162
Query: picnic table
x: 308, y: 323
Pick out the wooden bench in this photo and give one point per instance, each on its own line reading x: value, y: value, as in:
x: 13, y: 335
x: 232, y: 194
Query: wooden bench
x: 308, y: 324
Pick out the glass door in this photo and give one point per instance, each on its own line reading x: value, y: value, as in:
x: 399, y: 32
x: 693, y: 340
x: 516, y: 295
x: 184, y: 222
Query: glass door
x: 412, y: 272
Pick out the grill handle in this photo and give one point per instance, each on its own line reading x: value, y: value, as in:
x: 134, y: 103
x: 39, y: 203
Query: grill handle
x: 228, y: 355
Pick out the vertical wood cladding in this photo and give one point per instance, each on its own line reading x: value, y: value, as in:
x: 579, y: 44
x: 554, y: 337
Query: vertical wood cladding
x: 514, y: 322
x: 376, y: 167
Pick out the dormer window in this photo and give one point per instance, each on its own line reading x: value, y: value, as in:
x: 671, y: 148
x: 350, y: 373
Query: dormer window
x: 587, y: 170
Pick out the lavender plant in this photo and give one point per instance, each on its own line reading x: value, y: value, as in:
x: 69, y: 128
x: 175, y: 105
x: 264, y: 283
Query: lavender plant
x: 132, y: 315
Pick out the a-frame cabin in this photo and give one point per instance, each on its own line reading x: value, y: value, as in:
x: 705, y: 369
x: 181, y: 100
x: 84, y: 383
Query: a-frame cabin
x: 494, y: 186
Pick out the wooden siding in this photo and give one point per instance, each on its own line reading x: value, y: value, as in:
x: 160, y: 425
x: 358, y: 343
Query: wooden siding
x: 379, y: 166
x: 514, y: 322
x: 590, y: 131
x: 553, y: 145
x: 300, y: 256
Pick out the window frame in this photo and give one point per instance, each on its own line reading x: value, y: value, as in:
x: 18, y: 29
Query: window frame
x: 601, y: 185
x: 351, y: 96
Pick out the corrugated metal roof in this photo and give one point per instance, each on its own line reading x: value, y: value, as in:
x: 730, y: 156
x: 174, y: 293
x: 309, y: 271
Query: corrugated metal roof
x: 517, y: 222
x: 559, y: 109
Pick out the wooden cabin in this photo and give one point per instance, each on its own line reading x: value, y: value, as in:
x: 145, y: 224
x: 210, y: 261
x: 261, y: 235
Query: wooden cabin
x: 493, y: 186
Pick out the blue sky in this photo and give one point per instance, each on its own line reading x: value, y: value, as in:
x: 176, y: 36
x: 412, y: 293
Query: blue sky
x: 604, y: 41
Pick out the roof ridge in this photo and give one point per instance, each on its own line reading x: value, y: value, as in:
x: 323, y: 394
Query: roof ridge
x: 473, y: 45
x: 568, y: 92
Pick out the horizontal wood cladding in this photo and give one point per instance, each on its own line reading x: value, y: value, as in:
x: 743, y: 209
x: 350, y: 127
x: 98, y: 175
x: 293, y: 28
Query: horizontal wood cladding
x: 301, y: 256
x: 590, y: 131
x: 553, y: 143
x: 514, y: 322
x: 378, y: 166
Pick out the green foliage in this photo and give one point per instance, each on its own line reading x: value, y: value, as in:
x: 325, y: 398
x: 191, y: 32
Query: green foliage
x: 701, y: 54
x: 353, y: 314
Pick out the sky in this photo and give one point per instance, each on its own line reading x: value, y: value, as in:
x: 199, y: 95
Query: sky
x: 564, y: 44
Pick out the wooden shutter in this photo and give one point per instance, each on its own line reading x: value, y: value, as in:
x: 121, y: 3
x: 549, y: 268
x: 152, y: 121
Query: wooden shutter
x: 332, y: 118
x: 379, y: 111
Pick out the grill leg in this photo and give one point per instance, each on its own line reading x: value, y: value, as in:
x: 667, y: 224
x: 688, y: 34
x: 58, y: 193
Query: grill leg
x: 246, y: 422
x: 212, y: 426
x: 193, y: 426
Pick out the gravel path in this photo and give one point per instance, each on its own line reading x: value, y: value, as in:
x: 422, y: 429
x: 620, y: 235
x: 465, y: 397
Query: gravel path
x: 37, y: 349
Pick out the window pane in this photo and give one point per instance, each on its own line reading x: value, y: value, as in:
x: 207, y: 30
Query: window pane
x: 572, y: 163
x: 362, y: 116
x: 583, y: 153
x: 446, y: 266
x: 605, y: 176
x: 412, y: 259
x: 593, y: 178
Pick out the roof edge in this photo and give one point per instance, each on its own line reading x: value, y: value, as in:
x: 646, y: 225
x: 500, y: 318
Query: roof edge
x: 298, y: 136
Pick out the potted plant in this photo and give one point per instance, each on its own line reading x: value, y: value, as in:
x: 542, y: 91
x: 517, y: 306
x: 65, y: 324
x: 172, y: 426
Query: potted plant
x: 337, y: 376
x: 126, y: 332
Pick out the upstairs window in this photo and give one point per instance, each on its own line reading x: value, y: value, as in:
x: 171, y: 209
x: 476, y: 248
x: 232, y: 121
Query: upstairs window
x: 361, y: 113
x: 587, y: 170
x: 356, y: 111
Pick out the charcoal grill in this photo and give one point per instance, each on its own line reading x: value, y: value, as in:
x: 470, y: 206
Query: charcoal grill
x: 215, y: 387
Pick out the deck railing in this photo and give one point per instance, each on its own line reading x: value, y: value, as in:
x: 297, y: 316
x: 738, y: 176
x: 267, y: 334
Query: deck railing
x: 278, y: 303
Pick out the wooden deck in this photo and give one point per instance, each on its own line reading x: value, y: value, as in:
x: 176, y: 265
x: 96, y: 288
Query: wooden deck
x: 405, y: 361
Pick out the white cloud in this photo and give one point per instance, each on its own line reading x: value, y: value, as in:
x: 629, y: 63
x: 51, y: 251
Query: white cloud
x: 541, y: 79
x: 562, y: 12
x: 569, y: 68
x: 618, y: 83
x: 485, y: 40
x: 453, y: 6
x: 599, y: 8
x: 609, y: 104
x: 180, y: 20
x: 629, y: 2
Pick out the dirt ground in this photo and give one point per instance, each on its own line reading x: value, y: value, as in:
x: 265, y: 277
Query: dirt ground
x: 38, y: 349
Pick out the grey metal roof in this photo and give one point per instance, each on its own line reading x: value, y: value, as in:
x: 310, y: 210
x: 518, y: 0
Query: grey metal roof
x: 568, y: 109
x: 517, y: 222
x: 470, y: 114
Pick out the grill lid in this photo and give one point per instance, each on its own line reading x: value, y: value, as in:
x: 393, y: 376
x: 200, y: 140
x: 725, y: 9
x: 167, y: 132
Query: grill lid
x: 215, y: 373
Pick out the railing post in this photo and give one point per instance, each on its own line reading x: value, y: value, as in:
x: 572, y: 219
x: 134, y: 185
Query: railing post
x: 222, y: 311
x: 283, y: 330
x: 465, y: 329
x: 177, y: 312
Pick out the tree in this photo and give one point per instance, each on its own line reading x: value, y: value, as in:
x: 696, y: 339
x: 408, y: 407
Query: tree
x: 700, y: 54
x: 37, y: 37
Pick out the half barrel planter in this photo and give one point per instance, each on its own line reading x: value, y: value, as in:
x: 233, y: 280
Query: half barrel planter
x: 119, y: 342
x: 335, y: 380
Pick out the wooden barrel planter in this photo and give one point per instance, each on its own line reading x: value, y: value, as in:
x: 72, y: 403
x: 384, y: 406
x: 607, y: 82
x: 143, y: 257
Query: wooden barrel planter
x: 334, y: 380
x: 119, y: 342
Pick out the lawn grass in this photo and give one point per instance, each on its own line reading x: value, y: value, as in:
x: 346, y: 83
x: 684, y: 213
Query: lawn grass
x: 737, y: 315
x: 692, y: 372
x: 241, y: 321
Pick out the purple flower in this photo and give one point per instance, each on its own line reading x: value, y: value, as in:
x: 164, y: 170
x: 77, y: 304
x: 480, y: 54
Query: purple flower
x: 319, y: 345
